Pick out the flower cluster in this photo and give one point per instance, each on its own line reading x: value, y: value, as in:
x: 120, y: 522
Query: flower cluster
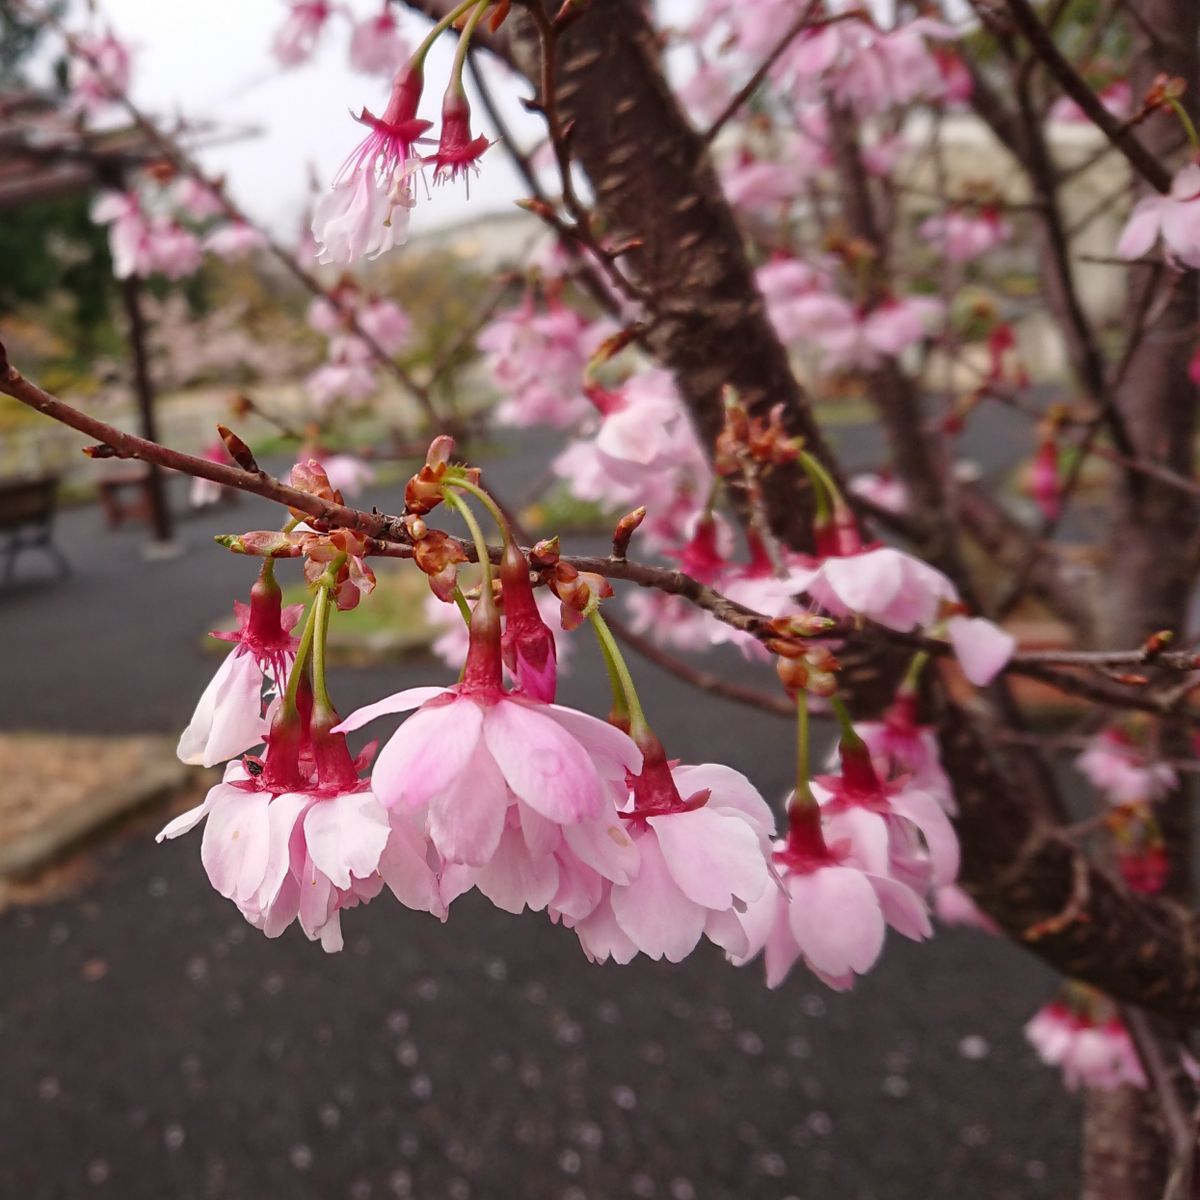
x: 366, y: 212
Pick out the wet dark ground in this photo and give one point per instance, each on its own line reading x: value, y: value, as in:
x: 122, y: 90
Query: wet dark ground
x: 153, y: 1045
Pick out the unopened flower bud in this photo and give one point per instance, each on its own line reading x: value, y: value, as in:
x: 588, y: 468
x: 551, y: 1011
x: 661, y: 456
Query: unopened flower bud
x: 544, y: 554
x: 626, y: 527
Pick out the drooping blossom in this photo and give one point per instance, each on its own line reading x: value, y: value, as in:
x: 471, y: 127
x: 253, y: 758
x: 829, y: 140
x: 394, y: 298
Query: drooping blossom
x: 366, y: 212
x: 340, y: 381
x: 234, y: 240
x: 472, y: 750
x: 128, y: 232
x: 172, y: 250
x: 347, y: 473
x: 959, y: 236
x: 952, y: 906
x: 1091, y: 1053
x: 229, y: 719
x: 296, y: 39
x: 1174, y: 217
x: 458, y: 153
x: 195, y: 198
x: 1044, y: 483
x: 1117, y: 97
x: 701, y: 833
x: 901, y: 747
x: 386, y: 323
x: 99, y: 73
x: 527, y: 644
x: 833, y: 908
x: 536, y: 358
x: 376, y: 45
x: 1121, y: 769
x: 302, y: 837
x: 883, y: 490
x: 883, y: 815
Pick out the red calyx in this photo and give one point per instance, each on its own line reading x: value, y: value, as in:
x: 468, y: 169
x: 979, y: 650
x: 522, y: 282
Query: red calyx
x: 457, y: 150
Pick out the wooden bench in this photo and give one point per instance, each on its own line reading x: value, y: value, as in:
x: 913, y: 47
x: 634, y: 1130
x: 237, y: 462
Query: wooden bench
x: 27, y: 508
x: 125, y: 496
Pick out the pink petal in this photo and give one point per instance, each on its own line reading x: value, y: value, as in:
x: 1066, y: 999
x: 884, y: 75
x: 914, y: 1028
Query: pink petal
x: 605, y: 846
x: 613, y: 752
x: 228, y: 719
x: 729, y: 789
x: 542, y: 763
x: 237, y: 843
x: 1141, y: 230
x: 282, y: 816
x: 715, y: 859
x: 723, y: 929
x: 657, y: 917
x: 427, y: 753
x: 903, y: 909
x: 982, y: 647
x: 346, y: 835
x: 404, y: 701
x: 930, y: 818
x: 602, y: 938
x: 835, y: 917
x: 466, y: 818
x: 513, y: 878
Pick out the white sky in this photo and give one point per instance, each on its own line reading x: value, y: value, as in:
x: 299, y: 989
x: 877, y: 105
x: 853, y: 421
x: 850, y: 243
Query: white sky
x: 213, y: 61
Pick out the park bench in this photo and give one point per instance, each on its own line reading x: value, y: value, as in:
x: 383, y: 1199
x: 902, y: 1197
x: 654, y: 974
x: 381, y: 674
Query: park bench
x: 27, y: 508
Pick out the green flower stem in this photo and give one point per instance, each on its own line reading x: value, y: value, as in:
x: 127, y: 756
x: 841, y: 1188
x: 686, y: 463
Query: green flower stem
x: 418, y: 59
x: 1189, y: 126
x: 293, y: 683
x: 620, y: 704
x: 803, y: 797
x: 463, y: 607
x: 481, y: 547
x: 464, y: 44
x: 619, y: 672
x: 850, y: 737
x: 813, y: 466
x: 486, y: 500
x: 820, y: 492
x: 321, y: 608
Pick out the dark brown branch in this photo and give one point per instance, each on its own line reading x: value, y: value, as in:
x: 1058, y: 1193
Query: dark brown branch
x: 1042, y: 44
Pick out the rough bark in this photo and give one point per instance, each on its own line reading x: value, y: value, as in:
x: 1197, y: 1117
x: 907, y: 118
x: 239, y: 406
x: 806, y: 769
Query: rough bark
x: 1126, y: 1154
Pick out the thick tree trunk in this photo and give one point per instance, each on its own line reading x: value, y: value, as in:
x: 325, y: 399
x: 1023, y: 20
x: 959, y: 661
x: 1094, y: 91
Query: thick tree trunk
x: 1126, y: 1152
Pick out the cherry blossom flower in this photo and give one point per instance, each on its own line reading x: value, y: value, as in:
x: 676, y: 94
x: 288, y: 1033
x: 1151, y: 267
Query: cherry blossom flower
x: 366, y: 212
x: 537, y: 360
x: 99, y: 73
x: 172, y: 250
x: 1117, y: 766
x: 196, y: 199
x: 387, y: 323
x: 347, y: 473
x: 960, y: 237
x: 1091, y: 1054
x: 376, y: 45
x: 882, y: 490
x: 883, y: 584
x: 1174, y: 217
x: 458, y: 153
x: 1117, y: 97
x: 952, y: 906
x: 527, y: 644
x: 832, y: 911
x: 900, y: 747
x: 701, y: 836
x: 228, y: 719
x: 234, y: 240
x: 296, y: 39
x: 880, y: 816
x: 1044, y: 482
x: 340, y: 381
x: 472, y: 750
